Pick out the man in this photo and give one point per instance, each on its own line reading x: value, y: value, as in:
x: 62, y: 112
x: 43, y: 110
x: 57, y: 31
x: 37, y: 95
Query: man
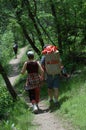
x: 53, y: 73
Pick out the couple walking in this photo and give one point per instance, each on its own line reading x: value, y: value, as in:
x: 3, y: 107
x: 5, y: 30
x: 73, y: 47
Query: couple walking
x: 36, y: 74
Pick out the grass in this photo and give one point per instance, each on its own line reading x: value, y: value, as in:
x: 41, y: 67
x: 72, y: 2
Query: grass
x: 73, y: 100
x: 19, y: 117
x: 73, y: 105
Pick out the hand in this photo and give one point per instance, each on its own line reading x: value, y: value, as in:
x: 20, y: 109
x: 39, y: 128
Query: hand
x: 62, y: 66
x: 42, y: 78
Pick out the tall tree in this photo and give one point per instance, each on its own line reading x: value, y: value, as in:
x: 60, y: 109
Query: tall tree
x: 31, y: 42
x: 57, y: 24
x: 32, y: 17
x: 21, y: 10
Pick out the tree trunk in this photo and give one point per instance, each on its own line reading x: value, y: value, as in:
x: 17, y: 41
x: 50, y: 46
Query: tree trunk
x: 44, y: 30
x: 30, y: 41
x: 31, y: 15
x: 8, y: 84
x: 26, y: 33
x: 58, y: 28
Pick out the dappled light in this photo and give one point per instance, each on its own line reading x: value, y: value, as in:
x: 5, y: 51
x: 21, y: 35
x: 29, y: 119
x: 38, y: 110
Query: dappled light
x: 43, y: 27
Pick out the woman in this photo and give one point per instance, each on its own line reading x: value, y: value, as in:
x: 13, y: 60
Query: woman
x: 35, y: 75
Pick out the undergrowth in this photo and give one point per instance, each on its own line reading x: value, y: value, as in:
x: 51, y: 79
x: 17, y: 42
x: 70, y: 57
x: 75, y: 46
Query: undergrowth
x: 14, y: 115
x: 73, y: 100
x: 19, y: 117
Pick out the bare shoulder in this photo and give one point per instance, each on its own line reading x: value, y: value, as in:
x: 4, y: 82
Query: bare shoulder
x: 38, y: 62
x: 25, y: 63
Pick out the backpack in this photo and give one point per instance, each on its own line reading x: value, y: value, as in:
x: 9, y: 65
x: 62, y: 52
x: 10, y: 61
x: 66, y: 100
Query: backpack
x: 15, y: 47
x: 52, y: 63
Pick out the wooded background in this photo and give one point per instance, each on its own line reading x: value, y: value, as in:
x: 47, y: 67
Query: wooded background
x: 39, y: 22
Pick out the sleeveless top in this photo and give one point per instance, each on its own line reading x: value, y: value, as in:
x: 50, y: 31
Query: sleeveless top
x: 32, y: 67
x: 33, y: 79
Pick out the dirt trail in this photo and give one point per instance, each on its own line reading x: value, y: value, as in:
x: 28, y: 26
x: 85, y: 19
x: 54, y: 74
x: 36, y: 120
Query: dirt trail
x: 44, y: 120
x: 14, y: 63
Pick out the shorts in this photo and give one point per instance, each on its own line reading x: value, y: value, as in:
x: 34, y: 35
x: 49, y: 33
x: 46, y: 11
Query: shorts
x: 53, y: 81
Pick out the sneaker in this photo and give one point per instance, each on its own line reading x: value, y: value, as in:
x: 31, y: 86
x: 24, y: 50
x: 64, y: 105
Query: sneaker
x: 35, y: 109
x: 51, y: 103
x: 37, y: 106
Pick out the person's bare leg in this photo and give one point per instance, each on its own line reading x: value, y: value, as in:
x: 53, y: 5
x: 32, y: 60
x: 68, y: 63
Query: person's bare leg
x: 50, y: 93
x: 56, y: 94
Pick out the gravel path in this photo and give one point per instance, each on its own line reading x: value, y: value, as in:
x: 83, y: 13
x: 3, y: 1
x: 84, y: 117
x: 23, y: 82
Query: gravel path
x: 45, y: 120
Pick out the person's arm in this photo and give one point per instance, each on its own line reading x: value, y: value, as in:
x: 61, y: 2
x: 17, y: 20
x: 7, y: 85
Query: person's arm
x: 63, y: 70
x: 41, y: 71
x: 24, y: 68
x: 43, y: 62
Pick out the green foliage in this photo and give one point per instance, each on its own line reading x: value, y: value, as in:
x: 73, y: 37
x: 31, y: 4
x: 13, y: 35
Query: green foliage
x: 6, y: 47
x: 73, y: 100
x: 70, y: 26
x: 19, y: 117
x: 72, y: 30
x: 5, y: 101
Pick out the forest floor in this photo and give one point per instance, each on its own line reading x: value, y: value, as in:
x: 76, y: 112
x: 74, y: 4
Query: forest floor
x: 44, y: 120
